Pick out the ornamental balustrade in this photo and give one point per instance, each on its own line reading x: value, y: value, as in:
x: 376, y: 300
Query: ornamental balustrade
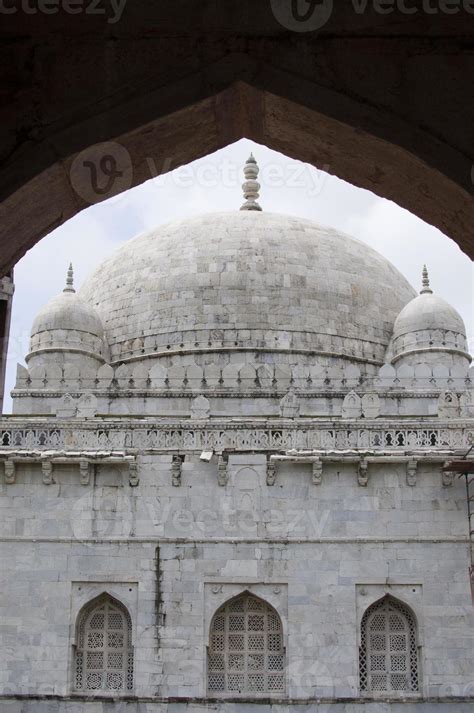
x: 222, y: 437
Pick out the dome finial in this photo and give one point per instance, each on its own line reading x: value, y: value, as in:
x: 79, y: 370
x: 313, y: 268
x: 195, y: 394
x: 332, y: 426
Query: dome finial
x: 426, y: 289
x: 70, y: 280
x: 251, y: 186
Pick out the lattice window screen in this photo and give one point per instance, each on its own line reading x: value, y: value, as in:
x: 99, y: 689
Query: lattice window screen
x: 388, y: 656
x: 246, y: 653
x: 104, y: 654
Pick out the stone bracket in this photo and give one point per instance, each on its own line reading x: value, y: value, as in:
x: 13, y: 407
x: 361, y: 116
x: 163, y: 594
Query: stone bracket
x: 222, y: 470
x: 47, y: 470
x: 271, y: 471
x: 133, y: 473
x: 10, y: 473
x: 85, y: 466
x: 447, y: 477
x: 176, y: 470
x: 84, y: 472
x: 363, y: 472
x: 412, y: 467
x: 317, y: 472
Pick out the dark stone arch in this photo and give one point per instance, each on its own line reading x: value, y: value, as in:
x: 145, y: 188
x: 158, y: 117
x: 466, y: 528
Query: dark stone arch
x: 383, y: 100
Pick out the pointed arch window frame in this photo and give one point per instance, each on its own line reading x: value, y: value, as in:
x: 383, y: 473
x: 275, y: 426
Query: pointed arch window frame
x: 413, y: 610
x: 79, y: 618
x: 246, y: 694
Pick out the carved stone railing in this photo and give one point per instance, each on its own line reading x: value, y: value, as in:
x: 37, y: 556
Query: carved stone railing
x: 133, y: 435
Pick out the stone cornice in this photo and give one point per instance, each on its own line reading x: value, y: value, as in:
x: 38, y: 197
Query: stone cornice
x: 431, y: 350
x: 121, y: 393
x: 285, y: 540
x: 270, y: 703
x: 58, y: 349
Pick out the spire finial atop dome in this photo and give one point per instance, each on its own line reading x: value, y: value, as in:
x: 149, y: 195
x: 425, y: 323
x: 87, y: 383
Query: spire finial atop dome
x: 251, y: 186
x: 70, y: 280
x: 426, y: 289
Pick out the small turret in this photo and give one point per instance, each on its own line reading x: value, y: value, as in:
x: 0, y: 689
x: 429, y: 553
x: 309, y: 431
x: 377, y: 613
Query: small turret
x: 66, y: 329
x: 429, y: 330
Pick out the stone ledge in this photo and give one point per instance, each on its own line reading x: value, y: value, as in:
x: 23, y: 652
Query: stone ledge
x: 414, y: 700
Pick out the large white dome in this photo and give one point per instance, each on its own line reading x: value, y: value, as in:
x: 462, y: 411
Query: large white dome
x: 247, y: 281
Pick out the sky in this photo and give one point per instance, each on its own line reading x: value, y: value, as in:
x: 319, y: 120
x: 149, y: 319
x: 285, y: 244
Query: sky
x: 213, y: 184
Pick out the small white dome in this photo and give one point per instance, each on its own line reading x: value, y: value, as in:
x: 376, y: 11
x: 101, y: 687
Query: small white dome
x: 428, y: 324
x: 67, y: 323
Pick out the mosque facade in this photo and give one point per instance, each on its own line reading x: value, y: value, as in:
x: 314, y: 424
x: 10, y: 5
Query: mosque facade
x: 226, y: 482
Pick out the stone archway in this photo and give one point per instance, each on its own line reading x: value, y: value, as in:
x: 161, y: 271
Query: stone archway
x: 382, y: 99
x: 205, y: 126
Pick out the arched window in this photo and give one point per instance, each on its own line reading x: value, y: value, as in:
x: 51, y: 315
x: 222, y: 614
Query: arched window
x: 388, y: 656
x: 246, y: 653
x: 103, y: 658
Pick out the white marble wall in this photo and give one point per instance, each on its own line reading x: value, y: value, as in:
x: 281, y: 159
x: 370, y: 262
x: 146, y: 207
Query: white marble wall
x: 318, y: 553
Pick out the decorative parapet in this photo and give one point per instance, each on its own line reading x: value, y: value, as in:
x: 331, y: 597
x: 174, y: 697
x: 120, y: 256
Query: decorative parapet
x: 181, y: 435
x: 152, y: 377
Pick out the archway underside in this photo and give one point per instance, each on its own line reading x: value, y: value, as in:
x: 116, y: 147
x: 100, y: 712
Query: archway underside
x: 362, y: 158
